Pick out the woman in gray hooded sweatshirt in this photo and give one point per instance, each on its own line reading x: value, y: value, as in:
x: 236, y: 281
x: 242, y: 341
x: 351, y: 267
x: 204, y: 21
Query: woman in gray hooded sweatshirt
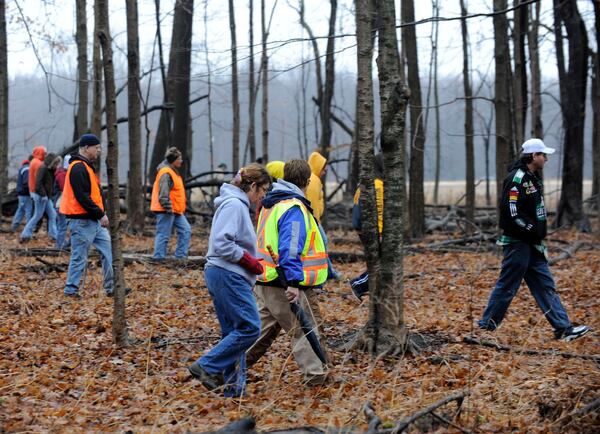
x: 230, y: 273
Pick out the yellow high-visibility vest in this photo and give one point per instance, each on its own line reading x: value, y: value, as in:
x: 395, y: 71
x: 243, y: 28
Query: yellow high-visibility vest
x: 313, y: 256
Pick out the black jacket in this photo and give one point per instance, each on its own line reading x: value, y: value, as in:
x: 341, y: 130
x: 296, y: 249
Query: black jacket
x: 522, y: 211
x: 82, y: 188
x: 44, y: 181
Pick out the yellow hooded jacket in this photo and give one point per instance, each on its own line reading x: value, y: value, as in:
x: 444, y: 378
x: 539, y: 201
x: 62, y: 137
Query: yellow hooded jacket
x: 275, y: 169
x: 314, y: 191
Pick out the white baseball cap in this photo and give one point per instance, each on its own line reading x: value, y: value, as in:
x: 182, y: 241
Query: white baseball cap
x: 532, y: 146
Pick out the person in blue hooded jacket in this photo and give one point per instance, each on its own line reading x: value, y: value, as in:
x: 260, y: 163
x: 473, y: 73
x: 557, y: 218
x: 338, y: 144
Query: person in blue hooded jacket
x: 230, y: 273
x: 25, y: 207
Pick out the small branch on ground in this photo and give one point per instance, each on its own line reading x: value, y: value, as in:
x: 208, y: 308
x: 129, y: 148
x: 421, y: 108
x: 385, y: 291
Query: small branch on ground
x: 372, y: 419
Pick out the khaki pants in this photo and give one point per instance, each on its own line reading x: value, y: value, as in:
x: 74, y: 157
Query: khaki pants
x: 275, y: 314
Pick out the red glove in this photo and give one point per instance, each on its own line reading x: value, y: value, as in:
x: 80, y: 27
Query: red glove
x: 251, y: 264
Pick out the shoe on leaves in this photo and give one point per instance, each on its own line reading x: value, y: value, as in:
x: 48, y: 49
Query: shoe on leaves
x: 210, y: 381
x: 572, y: 333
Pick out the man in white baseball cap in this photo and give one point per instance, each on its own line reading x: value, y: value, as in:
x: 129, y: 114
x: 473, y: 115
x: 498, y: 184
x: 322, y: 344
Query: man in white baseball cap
x: 524, y: 227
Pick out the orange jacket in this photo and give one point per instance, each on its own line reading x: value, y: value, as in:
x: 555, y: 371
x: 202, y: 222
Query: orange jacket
x: 39, y: 153
x: 176, y: 195
x: 69, y: 205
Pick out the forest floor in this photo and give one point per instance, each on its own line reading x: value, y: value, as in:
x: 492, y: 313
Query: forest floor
x: 60, y: 372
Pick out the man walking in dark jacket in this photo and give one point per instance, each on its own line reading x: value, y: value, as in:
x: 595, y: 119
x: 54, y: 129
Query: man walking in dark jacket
x: 25, y: 207
x: 523, y: 221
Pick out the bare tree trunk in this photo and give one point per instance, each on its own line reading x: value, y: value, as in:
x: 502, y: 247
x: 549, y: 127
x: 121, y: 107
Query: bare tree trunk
x: 264, y: 60
x: 181, y: 94
x: 504, y: 144
x: 119, y: 324
x: 235, y: 98
x: 208, y: 90
x: 596, y: 110
x: 82, y: 65
x: 416, y: 197
x: 325, y: 103
x: 251, y: 139
x: 436, y: 102
x: 96, y: 123
x: 470, y: 156
x: 537, y: 128
x: 572, y: 97
x: 520, y: 76
x: 3, y: 103
x: 135, y: 193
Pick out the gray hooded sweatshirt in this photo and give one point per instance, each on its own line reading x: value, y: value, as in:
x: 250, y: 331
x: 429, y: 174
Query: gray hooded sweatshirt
x: 232, y: 232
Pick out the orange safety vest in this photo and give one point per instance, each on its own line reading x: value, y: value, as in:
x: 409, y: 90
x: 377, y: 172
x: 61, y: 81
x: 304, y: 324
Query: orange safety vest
x: 68, y: 203
x: 177, y: 194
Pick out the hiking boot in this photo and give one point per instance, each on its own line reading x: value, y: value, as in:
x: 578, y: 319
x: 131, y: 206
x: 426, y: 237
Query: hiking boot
x: 111, y: 293
x: 210, y: 381
x: 571, y: 333
x: 74, y: 295
x: 24, y: 240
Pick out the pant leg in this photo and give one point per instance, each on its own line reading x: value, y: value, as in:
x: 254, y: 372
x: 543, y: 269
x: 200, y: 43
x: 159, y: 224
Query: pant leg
x: 541, y: 284
x: 28, y: 207
x: 233, y: 300
x: 279, y: 307
x: 514, y: 266
x: 51, y: 213
x: 20, y: 213
x: 314, y: 312
x: 80, y: 244
x: 39, y: 207
x: 184, y: 235
x: 103, y: 244
x: 269, y: 329
x: 164, y: 224
x: 360, y: 284
x: 61, y: 231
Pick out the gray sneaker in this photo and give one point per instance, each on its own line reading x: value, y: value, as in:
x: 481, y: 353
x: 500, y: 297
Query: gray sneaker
x: 572, y: 333
x: 210, y: 381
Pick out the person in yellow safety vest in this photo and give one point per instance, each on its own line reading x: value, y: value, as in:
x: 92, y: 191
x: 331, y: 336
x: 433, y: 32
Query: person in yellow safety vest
x: 168, y: 204
x: 287, y: 225
x: 360, y: 284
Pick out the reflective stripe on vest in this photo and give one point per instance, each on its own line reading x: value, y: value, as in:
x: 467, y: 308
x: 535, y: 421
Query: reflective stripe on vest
x: 68, y: 203
x: 177, y: 194
x: 313, y: 256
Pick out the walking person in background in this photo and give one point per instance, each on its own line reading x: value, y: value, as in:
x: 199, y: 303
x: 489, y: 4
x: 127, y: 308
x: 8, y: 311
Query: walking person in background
x: 25, y: 206
x: 83, y: 205
x: 523, y: 221
x: 61, y: 220
x: 168, y: 204
x: 230, y: 273
x: 42, y: 197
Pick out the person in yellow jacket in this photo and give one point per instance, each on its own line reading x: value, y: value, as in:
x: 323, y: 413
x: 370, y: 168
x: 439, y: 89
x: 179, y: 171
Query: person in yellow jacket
x: 360, y: 284
x: 169, y: 203
x: 286, y: 225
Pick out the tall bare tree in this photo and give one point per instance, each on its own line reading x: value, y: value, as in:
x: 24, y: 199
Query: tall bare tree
x: 537, y: 127
x: 596, y: 110
x: 181, y: 92
x: 235, y: 97
x: 521, y: 24
x: 81, y: 37
x: 208, y: 89
x: 119, y: 323
x: 325, y: 102
x: 470, y: 156
x: 264, y: 61
x: 251, y: 139
x: 96, y: 122
x: 385, y: 331
x: 505, y: 153
x: 3, y: 103
x: 135, y: 193
x: 416, y: 196
x: 572, y: 103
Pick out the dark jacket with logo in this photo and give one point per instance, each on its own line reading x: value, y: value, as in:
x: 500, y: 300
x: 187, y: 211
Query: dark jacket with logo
x: 522, y: 211
x: 23, y: 180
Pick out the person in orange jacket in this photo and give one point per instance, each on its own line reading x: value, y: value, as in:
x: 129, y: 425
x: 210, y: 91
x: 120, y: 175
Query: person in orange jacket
x: 168, y: 204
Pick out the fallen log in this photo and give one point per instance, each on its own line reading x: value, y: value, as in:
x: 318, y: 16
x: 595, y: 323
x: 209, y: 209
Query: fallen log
x: 530, y: 352
x: 566, y: 253
x: 591, y: 407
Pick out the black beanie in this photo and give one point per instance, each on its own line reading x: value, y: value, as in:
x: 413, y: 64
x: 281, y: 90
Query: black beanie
x: 88, y: 140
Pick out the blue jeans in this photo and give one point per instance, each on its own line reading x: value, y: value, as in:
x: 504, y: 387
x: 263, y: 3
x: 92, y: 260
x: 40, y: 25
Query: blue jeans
x: 24, y: 209
x: 523, y: 261
x: 61, y: 231
x: 85, y: 233
x: 240, y: 327
x: 41, y: 205
x: 164, y: 226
